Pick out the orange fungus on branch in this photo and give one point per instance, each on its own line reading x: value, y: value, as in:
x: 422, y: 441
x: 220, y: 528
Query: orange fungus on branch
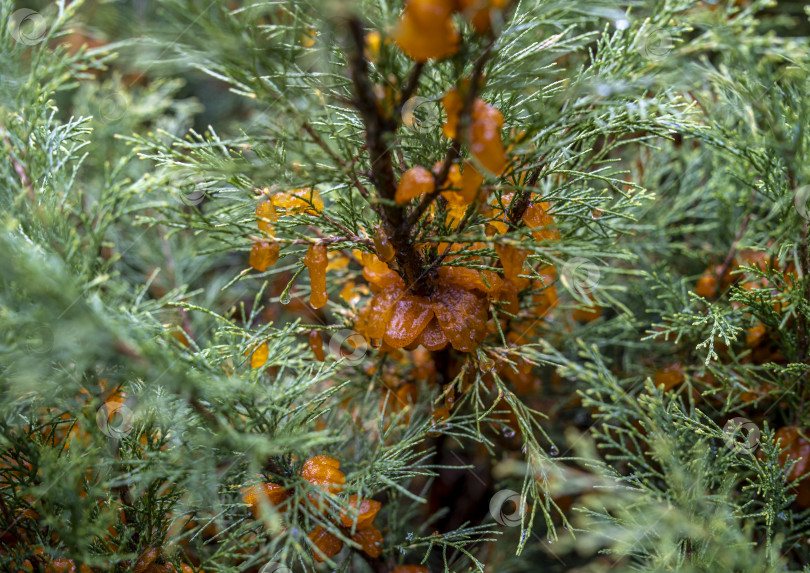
x: 425, y: 30
x: 316, y: 262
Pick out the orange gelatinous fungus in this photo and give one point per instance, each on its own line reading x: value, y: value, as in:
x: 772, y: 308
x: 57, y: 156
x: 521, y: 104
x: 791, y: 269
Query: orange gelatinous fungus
x: 316, y: 345
x: 485, y: 137
x: 373, y: 44
x: 433, y: 337
x: 145, y: 559
x: 440, y: 416
x: 371, y: 540
x: 462, y: 315
x: 377, y: 273
x: 316, y: 262
x: 411, y: 314
x: 324, y: 472
x: 508, y: 294
x: 706, y: 285
x: 366, y: 510
x: 264, y: 254
x: 414, y: 182
x: 258, y: 355
x: 669, y: 376
x: 546, y: 298
x: 796, y: 447
x: 425, y: 30
x: 512, y: 260
x: 304, y: 200
x: 266, y: 215
x: 479, y: 13
x: 326, y: 544
x: 541, y: 222
x: 484, y: 131
x: 410, y: 569
x: 485, y: 281
x: 383, y: 247
x: 268, y: 492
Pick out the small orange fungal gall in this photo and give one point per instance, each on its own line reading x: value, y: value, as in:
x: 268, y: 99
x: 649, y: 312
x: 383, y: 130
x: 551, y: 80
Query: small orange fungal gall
x: 326, y: 544
x: 370, y: 539
x: 316, y: 262
x: 425, y: 30
x: 316, y: 345
x: 324, y: 472
x: 366, y: 512
x: 269, y: 492
x: 259, y: 355
x: 385, y: 251
x: 303, y: 200
x: 264, y: 254
x: 413, y: 183
x: 266, y: 215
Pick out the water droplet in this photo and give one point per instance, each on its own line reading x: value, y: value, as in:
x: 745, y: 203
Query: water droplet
x: 550, y: 539
x: 554, y: 451
x: 376, y: 342
x: 486, y: 364
x: 508, y: 432
x: 284, y: 298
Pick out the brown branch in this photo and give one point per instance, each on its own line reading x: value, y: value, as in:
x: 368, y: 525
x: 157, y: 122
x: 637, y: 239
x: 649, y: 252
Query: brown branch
x: 379, y: 136
x: 410, y: 86
x: 522, y: 200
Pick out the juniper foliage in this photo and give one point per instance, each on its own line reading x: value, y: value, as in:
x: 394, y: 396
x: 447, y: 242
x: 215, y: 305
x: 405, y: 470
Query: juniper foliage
x: 669, y: 138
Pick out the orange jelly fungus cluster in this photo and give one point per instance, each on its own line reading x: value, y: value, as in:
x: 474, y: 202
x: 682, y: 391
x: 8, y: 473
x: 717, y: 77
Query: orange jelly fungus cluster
x: 484, y: 134
x: 357, y: 523
x: 425, y: 29
x: 456, y: 312
x: 264, y: 253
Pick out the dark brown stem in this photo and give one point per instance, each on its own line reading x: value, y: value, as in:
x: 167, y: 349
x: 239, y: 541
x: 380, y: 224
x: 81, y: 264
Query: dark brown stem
x: 522, y: 200
x: 410, y: 86
x: 380, y: 130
